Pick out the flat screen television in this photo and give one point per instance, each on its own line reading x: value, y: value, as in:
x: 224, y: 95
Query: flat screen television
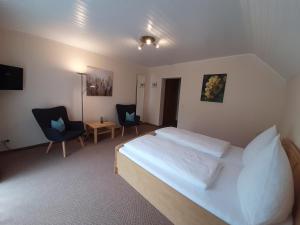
x: 11, y: 78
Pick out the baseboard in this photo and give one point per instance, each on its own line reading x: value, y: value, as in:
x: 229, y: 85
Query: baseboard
x: 24, y: 148
x: 46, y: 143
x: 146, y: 123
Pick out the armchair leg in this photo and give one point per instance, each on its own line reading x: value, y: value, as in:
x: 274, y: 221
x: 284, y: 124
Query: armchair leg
x: 64, y: 149
x: 123, y: 131
x: 136, y: 130
x: 49, y: 146
x: 81, y: 141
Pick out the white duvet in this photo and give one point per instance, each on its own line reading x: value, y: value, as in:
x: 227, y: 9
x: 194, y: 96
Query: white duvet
x: 221, y: 199
x: 202, y: 143
x: 194, y: 167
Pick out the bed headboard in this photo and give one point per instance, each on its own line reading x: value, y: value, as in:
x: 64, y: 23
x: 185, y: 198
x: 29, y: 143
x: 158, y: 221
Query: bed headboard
x: 293, y: 154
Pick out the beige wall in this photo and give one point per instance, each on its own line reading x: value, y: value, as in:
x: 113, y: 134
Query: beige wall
x: 253, y: 99
x: 290, y: 126
x: 50, y: 80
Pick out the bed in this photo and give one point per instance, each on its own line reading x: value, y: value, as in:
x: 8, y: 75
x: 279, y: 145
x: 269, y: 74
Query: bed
x: 184, y: 205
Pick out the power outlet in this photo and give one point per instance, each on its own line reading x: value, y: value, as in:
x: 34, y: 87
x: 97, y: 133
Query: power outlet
x: 5, y: 141
x: 4, y: 144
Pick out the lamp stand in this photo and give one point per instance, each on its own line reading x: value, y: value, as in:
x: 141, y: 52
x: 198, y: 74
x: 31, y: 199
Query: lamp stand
x: 86, y: 134
x: 82, y: 97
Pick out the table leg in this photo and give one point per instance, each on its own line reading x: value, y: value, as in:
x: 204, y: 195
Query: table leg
x: 112, y: 132
x: 95, y: 136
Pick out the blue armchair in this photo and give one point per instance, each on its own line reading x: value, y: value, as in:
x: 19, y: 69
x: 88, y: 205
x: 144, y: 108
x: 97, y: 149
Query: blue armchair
x: 121, y: 111
x: 74, y: 129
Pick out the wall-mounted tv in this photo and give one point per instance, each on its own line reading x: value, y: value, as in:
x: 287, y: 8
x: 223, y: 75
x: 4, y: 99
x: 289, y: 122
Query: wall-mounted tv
x: 11, y: 78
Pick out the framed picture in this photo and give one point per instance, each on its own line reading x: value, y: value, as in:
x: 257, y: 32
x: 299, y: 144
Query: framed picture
x: 213, y: 87
x: 99, y: 82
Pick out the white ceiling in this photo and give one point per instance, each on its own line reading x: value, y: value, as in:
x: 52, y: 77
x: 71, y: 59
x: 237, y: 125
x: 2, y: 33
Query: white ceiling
x: 188, y: 30
x: 273, y: 32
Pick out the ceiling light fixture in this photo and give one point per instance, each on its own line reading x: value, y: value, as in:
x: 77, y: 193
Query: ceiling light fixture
x: 148, y: 40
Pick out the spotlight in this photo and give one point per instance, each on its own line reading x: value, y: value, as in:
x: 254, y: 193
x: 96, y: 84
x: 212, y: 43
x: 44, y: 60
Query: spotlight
x: 148, y: 41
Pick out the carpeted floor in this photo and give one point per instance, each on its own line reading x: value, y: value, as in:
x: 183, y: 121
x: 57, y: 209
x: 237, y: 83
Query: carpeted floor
x: 46, y: 189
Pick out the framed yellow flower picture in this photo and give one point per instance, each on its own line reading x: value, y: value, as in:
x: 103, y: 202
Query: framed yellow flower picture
x: 213, y: 87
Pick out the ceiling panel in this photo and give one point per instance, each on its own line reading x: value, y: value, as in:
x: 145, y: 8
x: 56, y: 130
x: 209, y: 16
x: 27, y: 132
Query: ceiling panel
x: 187, y: 30
x: 273, y: 31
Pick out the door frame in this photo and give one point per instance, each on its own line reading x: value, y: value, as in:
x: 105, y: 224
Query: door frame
x: 140, y: 95
x: 162, y: 98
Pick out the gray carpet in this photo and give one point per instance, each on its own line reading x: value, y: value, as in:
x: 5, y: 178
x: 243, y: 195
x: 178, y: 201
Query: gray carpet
x: 46, y: 189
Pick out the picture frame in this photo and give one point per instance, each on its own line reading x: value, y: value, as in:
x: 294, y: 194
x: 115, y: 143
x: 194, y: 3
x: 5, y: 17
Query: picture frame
x: 99, y: 82
x: 213, y: 87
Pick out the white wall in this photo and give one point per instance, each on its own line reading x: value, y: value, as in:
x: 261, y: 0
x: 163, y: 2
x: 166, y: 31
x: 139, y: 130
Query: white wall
x: 50, y: 80
x: 253, y: 98
x: 290, y: 126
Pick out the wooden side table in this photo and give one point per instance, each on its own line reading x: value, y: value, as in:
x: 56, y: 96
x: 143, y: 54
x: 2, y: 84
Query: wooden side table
x: 101, y: 128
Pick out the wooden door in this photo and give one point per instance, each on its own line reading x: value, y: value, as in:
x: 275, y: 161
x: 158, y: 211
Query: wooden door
x: 171, y: 101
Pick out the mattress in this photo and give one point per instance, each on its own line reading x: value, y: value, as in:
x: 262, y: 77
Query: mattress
x: 192, y: 166
x: 221, y: 199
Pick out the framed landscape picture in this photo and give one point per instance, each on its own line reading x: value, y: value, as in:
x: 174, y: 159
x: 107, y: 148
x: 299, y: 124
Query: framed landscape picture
x: 99, y: 82
x: 213, y: 87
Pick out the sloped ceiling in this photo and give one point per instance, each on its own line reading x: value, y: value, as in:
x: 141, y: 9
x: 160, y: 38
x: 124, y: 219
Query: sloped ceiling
x: 188, y: 30
x: 273, y: 33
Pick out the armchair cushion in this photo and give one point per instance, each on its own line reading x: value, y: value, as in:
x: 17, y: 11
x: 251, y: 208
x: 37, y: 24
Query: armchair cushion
x: 71, y: 134
x: 58, y: 125
x: 130, y: 117
x: 56, y: 136
x: 53, y: 134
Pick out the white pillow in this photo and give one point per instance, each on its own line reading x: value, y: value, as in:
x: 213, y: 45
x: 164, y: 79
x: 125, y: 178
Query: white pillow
x: 255, y: 146
x: 265, y: 187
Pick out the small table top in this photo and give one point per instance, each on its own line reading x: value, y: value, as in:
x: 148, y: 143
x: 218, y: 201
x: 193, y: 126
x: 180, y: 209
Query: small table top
x: 98, y: 124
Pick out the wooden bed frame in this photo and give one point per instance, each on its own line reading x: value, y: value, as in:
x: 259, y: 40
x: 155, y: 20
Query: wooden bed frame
x: 179, y: 209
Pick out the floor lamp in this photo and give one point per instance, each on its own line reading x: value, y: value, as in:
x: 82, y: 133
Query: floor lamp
x: 82, y: 92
